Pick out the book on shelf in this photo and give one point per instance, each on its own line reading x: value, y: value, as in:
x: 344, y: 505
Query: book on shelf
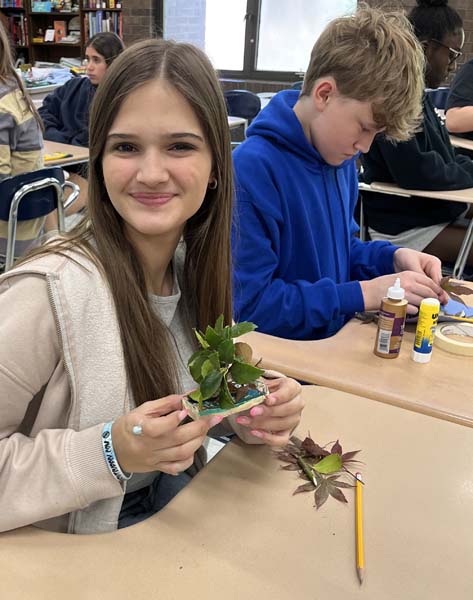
x: 59, y: 30
x: 11, y: 4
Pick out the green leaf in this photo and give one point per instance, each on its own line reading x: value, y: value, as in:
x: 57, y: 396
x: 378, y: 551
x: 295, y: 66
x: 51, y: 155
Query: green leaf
x: 226, y: 351
x: 207, y: 368
x: 195, y: 367
x: 210, y: 384
x: 212, y: 337
x: 197, y: 396
x: 200, y: 338
x: 329, y: 464
x: 243, y: 373
x: 219, y: 325
x: 241, y: 328
x: 225, y: 399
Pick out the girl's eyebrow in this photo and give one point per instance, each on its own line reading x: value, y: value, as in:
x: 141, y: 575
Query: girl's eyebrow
x: 177, y: 135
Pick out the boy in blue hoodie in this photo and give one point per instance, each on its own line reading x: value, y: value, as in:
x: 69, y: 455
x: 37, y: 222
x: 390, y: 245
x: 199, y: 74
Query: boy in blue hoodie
x: 300, y: 270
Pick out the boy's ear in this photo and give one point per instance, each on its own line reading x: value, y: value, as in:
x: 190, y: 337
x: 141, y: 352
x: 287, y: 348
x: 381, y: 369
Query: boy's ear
x: 323, y: 90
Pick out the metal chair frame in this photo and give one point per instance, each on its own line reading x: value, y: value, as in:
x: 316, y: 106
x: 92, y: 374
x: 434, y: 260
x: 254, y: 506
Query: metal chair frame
x: 22, y: 193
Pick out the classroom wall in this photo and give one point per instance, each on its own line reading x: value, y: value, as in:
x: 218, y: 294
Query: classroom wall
x: 185, y: 22
x: 139, y: 20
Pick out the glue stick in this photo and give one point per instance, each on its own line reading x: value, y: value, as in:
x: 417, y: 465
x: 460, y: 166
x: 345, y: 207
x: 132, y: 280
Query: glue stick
x: 391, y: 320
x: 426, y: 323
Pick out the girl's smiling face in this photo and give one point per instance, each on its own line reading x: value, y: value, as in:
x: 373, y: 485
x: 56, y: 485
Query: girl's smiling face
x: 157, y: 163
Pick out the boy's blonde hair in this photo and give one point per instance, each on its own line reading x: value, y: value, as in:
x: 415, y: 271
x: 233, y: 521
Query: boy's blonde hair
x: 373, y: 56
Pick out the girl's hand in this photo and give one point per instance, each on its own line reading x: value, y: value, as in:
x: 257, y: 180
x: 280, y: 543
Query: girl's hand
x: 273, y: 421
x: 164, y: 445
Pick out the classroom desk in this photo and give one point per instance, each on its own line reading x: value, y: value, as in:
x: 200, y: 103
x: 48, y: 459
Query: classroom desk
x: 465, y: 196
x: 234, y: 122
x: 79, y: 154
x: 237, y: 532
x: 459, y: 142
x: 441, y: 388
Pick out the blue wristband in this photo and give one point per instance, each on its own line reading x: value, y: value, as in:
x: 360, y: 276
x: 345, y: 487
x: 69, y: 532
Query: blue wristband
x: 109, y: 454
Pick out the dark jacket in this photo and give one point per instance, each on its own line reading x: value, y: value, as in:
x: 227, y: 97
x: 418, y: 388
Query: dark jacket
x: 65, y: 112
x: 426, y: 162
x: 297, y: 258
x: 461, y: 92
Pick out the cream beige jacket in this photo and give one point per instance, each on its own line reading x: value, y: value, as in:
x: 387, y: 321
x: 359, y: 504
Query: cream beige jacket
x: 62, y: 376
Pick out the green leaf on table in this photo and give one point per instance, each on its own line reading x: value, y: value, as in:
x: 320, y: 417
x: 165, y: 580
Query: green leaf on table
x: 329, y: 464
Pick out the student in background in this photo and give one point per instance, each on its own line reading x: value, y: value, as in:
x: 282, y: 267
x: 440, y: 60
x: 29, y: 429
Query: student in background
x: 101, y: 330
x: 20, y: 141
x: 300, y: 269
x: 65, y: 112
x: 427, y: 161
x: 459, y: 108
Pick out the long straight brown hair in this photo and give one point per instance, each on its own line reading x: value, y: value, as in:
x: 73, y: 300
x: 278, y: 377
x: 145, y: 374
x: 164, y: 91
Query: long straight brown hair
x: 8, y: 72
x: 149, y: 352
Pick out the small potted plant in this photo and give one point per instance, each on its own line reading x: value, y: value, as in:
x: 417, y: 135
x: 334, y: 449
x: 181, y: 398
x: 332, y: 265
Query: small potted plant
x: 227, y: 381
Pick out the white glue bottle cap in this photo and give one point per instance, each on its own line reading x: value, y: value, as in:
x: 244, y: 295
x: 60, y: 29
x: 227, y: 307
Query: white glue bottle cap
x: 396, y: 292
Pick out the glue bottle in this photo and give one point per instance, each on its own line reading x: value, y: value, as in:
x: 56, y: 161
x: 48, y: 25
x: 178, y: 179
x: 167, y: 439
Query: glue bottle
x: 391, y: 320
x: 426, y: 323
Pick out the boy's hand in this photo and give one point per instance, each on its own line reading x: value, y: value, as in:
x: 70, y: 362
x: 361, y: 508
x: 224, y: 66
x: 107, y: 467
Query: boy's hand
x: 417, y: 286
x: 406, y: 259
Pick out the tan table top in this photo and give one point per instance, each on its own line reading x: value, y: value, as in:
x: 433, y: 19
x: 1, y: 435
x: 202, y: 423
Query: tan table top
x: 465, y: 195
x: 79, y: 154
x: 460, y: 142
x: 441, y: 388
x: 236, y: 532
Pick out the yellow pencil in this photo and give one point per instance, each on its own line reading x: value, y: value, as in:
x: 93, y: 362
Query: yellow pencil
x: 360, y: 551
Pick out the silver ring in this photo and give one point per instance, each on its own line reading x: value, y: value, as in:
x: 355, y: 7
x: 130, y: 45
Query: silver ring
x: 137, y: 430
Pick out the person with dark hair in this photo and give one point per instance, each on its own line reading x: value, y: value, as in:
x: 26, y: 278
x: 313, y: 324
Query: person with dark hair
x: 65, y: 112
x: 93, y: 431
x: 428, y: 161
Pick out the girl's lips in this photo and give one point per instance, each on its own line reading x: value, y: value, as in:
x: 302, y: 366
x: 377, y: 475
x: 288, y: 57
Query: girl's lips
x: 152, y: 199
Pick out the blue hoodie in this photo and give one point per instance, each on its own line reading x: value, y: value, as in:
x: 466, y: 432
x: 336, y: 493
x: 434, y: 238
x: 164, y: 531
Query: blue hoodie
x: 296, y: 257
x: 65, y: 112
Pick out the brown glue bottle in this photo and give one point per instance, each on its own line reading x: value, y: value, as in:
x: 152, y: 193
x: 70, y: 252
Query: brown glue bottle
x: 391, y: 320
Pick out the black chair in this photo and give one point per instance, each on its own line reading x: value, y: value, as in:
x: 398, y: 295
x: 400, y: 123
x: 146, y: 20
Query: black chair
x: 242, y: 103
x: 44, y: 192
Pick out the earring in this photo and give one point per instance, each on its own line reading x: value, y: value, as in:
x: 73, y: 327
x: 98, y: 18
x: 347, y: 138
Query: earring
x: 213, y: 183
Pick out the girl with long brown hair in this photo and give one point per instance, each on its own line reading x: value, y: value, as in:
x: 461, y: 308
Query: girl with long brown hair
x: 101, y: 327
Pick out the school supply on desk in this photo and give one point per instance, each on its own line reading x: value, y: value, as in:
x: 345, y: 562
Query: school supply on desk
x: 460, y: 304
x: 456, y: 338
x: 426, y: 323
x: 391, y: 320
x: 56, y: 156
x: 360, y: 548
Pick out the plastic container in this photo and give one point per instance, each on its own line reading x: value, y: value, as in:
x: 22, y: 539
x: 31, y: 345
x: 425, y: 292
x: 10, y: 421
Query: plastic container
x: 425, y: 330
x: 391, y: 321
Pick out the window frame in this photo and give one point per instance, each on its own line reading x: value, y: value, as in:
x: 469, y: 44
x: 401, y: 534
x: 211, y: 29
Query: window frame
x: 249, y: 72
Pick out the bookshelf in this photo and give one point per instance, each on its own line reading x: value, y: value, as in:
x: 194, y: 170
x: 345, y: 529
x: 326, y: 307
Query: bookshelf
x: 37, y: 29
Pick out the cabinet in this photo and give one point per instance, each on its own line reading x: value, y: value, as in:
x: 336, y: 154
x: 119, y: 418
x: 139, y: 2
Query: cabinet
x: 49, y: 30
